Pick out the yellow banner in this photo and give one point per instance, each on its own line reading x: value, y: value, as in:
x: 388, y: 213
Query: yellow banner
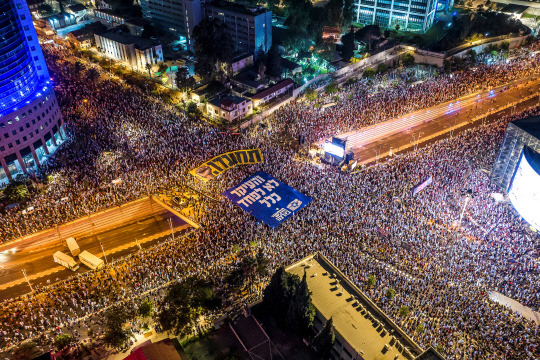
x: 212, y: 168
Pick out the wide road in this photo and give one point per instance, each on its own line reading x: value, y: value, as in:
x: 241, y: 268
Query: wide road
x: 379, y: 141
x: 36, y: 258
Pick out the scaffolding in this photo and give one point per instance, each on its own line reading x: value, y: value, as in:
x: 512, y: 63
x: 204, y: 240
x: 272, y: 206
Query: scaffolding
x: 520, y: 133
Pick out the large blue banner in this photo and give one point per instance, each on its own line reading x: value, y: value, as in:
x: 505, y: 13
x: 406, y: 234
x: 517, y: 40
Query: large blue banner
x: 266, y: 198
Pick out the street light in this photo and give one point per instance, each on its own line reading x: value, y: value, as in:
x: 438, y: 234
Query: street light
x: 104, y: 256
x: 28, y: 281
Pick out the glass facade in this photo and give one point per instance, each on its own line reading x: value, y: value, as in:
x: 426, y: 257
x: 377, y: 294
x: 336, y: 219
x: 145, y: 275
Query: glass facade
x: 18, y: 76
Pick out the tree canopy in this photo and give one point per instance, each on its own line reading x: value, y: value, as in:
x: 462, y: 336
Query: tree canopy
x: 212, y: 44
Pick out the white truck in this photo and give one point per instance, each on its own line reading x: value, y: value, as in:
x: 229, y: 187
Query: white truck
x: 65, y: 260
x: 73, y: 247
x: 90, y: 260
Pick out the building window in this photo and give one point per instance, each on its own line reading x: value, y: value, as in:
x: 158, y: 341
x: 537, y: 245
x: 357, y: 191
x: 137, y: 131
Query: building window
x: 14, y: 132
x: 23, y: 17
x: 26, y: 27
x: 6, y: 135
x: 24, y: 138
x: 18, y: 142
x: 33, y: 48
x: 10, y: 145
x: 2, y: 148
x: 29, y: 38
x: 1, y: 125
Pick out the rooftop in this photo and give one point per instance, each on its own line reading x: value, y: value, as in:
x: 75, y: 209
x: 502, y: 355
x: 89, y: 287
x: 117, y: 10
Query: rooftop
x: 530, y: 125
x: 356, y: 318
x: 124, y: 37
x: 77, y: 7
x: 239, y: 8
x: 227, y: 101
x: 272, y: 89
x: 514, y: 9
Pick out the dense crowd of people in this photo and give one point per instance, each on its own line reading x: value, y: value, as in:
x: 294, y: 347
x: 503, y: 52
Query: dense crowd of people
x: 370, y: 101
x: 367, y: 223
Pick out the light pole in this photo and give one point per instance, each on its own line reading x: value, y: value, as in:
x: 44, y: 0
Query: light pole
x: 170, y: 224
x: 104, y: 256
x: 28, y: 281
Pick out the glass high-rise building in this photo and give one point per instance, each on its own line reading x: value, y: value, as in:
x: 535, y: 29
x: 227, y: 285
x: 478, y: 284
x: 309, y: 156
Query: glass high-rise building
x: 411, y: 15
x: 31, y: 125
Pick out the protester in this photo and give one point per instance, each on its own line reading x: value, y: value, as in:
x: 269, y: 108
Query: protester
x: 367, y: 223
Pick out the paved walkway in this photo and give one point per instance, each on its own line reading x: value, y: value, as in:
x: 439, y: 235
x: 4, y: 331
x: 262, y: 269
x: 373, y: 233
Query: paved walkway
x: 521, y: 309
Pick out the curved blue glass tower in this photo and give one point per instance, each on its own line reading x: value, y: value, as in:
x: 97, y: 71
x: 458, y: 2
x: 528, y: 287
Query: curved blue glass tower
x: 31, y: 125
x: 18, y: 75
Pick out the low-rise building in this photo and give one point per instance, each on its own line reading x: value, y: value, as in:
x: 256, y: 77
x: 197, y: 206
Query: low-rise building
x: 84, y: 37
x: 61, y: 20
x: 248, y: 80
x: 135, y: 51
x: 267, y: 95
x: 229, y: 107
x: 237, y: 64
x: 135, y: 25
x: 79, y: 10
x: 290, y: 68
x: 362, y: 329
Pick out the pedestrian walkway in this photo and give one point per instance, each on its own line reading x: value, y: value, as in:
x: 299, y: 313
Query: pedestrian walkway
x: 522, y: 310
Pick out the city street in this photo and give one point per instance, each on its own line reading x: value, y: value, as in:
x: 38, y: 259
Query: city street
x: 422, y: 127
x: 36, y: 258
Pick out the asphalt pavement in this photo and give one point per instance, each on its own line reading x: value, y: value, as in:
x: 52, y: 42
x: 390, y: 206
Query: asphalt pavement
x: 450, y: 123
x: 36, y: 257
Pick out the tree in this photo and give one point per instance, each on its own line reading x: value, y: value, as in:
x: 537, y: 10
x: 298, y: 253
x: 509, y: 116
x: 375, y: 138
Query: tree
x: 347, y: 51
x: 404, y: 311
x: 148, y: 67
x: 331, y: 88
x: 447, y: 65
x: 397, y: 27
x: 184, y: 82
x: 146, y: 307
x: 262, y: 263
x: 16, y: 191
x: 184, y: 302
x: 324, y: 340
x: 420, y: 328
x: 279, y: 292
x: 382, y: 68
x: 211, y: 44
x: 311, y: 94
x: 390, y: 293
x: 92, y: 75
x: 273, y: 62
x: 25, y: 351
x: 505, y: 46
x: 162, y: 68
x: 301, y: 311
x: 408, y: 59
x: 348, y: 14
x: 45, y: 9
x: 369, y: 73
x: 371, y: 281
x: 472, y: 56
x: 61, y: 341
x: 115, y: 319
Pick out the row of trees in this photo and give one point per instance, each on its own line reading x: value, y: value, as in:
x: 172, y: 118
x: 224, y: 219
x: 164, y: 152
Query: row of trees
x: 288, y: 294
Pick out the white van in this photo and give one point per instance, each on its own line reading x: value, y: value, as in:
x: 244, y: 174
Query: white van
x: 73, y: 247
x: 90, y: 260
x: 65, y: 260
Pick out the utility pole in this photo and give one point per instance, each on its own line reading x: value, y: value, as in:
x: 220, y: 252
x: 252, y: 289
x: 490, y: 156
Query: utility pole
x: 170, y: 224
x: 28, y: 281
x: 104, y: 256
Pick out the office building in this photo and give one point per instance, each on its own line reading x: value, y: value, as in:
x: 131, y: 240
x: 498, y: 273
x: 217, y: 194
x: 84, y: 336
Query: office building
x: 31, y: 125
x: 135, y: 51
x: 362, y: 330
x: 410, y: 15
x: 178, y: 17
x: 250, y: 28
